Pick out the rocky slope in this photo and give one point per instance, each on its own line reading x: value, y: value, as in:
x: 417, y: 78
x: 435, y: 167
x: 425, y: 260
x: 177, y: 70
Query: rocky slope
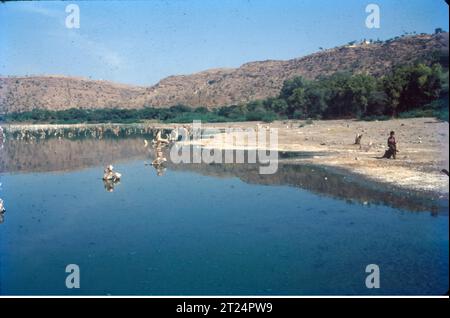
x: 216, y: 87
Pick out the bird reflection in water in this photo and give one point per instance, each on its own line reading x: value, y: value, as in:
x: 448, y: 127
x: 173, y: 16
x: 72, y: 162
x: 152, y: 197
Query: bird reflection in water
x: 2, y: 211
x: 110, y: 184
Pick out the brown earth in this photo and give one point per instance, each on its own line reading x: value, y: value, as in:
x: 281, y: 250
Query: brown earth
x: 423, y: 145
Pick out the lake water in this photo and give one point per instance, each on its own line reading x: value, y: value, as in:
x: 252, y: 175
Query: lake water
x: 207, y: 229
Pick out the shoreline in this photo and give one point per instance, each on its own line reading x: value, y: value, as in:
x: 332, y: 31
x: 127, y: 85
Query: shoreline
x: 423, y: 145
x: 325, y: 181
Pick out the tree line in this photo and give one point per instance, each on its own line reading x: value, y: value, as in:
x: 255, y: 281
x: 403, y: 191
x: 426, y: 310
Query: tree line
x: 407, y: 91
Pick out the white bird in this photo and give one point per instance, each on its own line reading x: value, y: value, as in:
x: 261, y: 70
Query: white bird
x: 109, y: 174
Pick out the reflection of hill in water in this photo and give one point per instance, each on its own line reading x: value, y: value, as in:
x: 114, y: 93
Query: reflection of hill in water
x: 68, y: 155
x: 328, y: 182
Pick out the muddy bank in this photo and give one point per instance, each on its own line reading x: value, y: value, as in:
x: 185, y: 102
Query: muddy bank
x: 423, y: 145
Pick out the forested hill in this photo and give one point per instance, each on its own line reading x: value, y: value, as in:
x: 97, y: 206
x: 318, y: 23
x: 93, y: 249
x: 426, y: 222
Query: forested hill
x: 220, y: 87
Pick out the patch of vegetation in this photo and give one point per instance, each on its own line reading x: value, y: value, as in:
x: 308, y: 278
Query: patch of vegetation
x: 408, y: 91
x: 376, y: 118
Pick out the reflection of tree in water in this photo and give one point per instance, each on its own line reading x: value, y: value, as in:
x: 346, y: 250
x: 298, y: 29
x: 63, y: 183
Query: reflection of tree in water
x: 67, y: 155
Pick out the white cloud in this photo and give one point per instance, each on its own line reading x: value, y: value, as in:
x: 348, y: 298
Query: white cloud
x: 33, y: 7
x: 97, y: 49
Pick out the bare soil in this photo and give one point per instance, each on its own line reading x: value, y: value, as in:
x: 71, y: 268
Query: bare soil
x: 423, y: 145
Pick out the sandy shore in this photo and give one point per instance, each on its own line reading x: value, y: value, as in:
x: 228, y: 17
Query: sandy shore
x: 423, y: 145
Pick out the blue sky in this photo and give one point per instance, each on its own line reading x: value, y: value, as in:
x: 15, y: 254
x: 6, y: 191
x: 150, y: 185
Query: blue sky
x: 140, y: 42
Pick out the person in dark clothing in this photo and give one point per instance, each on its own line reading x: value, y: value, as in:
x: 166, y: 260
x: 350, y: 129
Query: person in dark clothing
x: 392, y: 147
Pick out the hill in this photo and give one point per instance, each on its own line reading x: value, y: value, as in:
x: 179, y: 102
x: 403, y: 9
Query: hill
x: 216, y: 87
